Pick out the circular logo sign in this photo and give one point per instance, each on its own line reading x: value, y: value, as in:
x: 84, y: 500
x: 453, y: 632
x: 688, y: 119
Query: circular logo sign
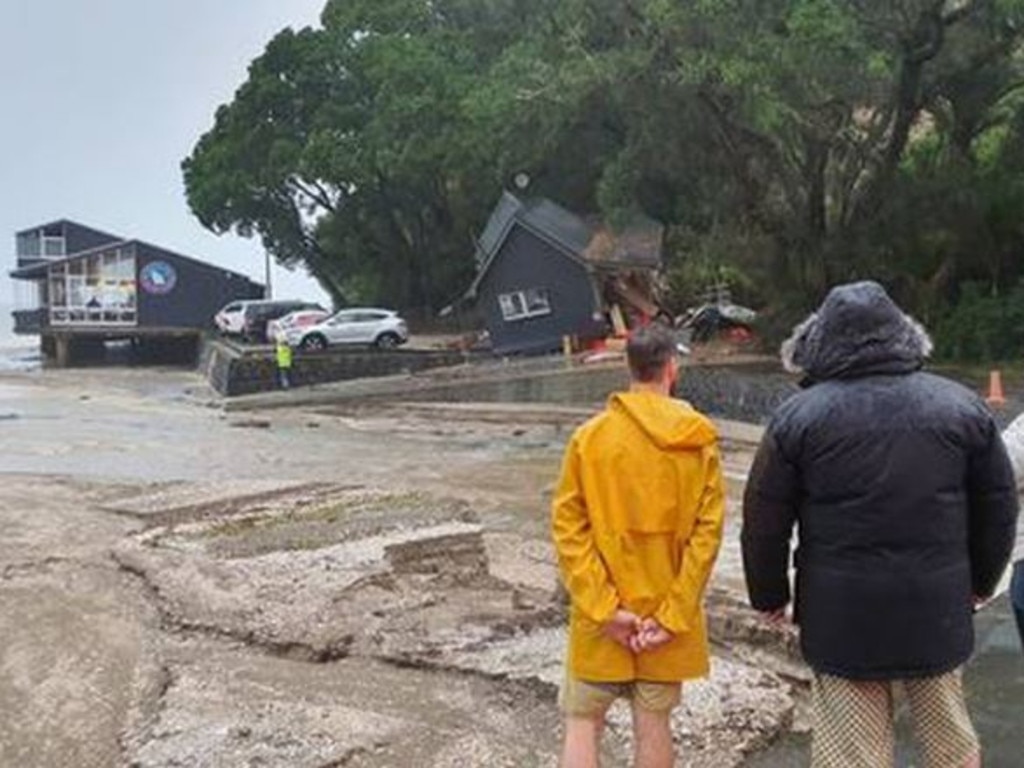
x: 158, y: 277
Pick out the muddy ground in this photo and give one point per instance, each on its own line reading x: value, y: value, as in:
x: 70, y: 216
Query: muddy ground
x: 180, y: 586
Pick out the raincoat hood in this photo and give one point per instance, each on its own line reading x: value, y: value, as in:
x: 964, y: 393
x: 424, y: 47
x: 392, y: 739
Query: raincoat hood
x: 670, y: 424
x: 857, y: 331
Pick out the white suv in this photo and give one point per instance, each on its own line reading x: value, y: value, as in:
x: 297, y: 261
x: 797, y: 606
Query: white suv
x: 377, y: 327
x: 231, y: 320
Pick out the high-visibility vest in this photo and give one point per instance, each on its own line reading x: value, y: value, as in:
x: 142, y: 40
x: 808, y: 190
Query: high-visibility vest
x: 284, y: 356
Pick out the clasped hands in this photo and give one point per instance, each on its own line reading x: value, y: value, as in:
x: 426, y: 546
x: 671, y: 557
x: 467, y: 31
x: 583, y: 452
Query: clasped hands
x: 636, y: 634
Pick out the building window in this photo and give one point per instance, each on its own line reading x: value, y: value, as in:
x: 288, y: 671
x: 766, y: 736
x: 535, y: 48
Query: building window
x: 53, y: 246
x: 99, y: 289
x: 29, y: 245
x: 49, y: 244
x: 520, y: 305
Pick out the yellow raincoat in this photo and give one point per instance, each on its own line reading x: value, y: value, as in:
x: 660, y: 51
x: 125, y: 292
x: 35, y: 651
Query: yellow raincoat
x: 637, y: 523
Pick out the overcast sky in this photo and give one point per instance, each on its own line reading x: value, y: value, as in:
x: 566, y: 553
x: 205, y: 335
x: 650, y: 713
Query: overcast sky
x: 102, y: 99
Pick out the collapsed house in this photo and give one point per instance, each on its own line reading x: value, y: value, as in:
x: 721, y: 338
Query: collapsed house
x: 545, y: 274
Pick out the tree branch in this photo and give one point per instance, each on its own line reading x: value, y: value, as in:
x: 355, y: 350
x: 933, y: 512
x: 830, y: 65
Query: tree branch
x: 959, y: 12
x: 316, y: 193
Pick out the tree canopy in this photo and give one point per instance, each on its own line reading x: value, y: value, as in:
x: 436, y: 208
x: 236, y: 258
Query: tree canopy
x: 785, y: 144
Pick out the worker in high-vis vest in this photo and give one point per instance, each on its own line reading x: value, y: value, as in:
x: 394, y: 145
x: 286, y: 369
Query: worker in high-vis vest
x: 284, y: 363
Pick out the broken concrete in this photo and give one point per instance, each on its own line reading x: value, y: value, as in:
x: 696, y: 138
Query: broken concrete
x: 723, y: 719
x: 420, y: 594
x: 299, y: 591
x: 460, y: 557
x: 377, y: 592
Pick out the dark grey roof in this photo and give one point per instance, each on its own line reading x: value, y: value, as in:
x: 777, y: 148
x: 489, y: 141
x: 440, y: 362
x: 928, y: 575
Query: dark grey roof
x: 556, y: 222
x: 637, y: 246
x: 69, y: 222
x: 497, y: 227
x: 40, y: 269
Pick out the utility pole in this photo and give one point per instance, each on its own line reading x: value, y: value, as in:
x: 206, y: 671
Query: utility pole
x: 269, y: 277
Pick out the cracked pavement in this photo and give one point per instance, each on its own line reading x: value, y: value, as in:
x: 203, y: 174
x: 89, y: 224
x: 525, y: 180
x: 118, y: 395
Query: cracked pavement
x: 178, y: 591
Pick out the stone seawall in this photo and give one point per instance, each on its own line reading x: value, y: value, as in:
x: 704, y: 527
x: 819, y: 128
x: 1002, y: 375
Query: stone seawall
x: 746, y: 391
x: 233, y: 371
x: 738, y: 392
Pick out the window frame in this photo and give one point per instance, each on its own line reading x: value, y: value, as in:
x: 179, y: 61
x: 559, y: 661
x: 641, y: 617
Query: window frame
x: 524, y: 304
x: 53, y: 246
x: 94, y: 290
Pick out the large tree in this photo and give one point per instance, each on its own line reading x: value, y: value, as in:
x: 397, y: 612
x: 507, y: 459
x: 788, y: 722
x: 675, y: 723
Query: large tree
x: 795, y: 141
x: 788, y: 118
x: 347, y: 152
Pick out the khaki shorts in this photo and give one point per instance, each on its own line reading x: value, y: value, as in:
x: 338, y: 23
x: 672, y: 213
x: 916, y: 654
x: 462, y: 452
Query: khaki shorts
x: 582, y: 699
x: 853, y: 722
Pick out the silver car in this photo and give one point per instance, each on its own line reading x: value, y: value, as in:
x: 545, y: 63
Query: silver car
x: 374, y: 327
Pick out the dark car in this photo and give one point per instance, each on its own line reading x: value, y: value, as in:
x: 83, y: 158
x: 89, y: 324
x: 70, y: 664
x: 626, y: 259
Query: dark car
x: 259, y: 314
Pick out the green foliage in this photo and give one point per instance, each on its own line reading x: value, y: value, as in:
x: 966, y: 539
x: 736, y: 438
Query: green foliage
x: 982, y: 327
x: 786, y: 144
x: 700, y: 262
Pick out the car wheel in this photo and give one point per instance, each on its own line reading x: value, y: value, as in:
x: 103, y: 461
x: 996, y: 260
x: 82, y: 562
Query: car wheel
x: 314, y: 343
x: 387, y: 341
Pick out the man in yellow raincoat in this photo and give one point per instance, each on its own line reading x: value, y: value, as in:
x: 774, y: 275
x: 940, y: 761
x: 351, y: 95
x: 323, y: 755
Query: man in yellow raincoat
x: 637, y: 524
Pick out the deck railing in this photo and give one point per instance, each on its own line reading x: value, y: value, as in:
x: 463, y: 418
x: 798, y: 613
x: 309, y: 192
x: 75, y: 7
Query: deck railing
x: 30, y: 321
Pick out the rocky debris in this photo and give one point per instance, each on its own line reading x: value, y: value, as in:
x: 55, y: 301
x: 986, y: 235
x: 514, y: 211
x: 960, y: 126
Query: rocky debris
x: 231, y: 583
x: 251, y: 424
x: 362, y: 583
x: 337, y: 575
x: 273, y: 718
x: 226, y: 707
x: 529, y: 563
x: 175, y: 503
x: 735, y: 712
x: 738, y: 711
x: 735, y: 624
x: 415, y: 590
x: 295, y: 602
x: 460, y: 557
x: 317, y: 581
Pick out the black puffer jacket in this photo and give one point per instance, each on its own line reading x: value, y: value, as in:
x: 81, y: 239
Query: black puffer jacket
x: 900, y: 488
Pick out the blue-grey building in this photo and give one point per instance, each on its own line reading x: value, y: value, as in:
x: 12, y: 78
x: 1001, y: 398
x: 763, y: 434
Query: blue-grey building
x: 79, y: 285
x: 544, y: 273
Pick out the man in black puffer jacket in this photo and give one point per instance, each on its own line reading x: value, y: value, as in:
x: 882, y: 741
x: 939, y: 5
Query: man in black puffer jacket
x: 905, y: 505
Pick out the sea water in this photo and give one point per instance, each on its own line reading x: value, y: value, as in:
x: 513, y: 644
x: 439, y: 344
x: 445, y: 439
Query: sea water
x: 17, y: 353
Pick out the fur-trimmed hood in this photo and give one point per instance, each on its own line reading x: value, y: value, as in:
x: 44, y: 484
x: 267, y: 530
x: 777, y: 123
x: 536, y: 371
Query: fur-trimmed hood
x: 857, y: 331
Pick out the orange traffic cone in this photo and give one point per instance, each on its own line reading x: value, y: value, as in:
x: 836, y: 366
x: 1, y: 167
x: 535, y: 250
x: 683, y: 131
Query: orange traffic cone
x: 996, y: 398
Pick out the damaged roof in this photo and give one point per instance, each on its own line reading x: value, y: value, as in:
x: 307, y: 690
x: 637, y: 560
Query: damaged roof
x: 590, y: 241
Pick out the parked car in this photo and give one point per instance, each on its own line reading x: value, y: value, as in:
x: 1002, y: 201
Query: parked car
x: 231, y: 319
x: 258, y: 314
x: 377, y: 327
x: 292, y: 326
